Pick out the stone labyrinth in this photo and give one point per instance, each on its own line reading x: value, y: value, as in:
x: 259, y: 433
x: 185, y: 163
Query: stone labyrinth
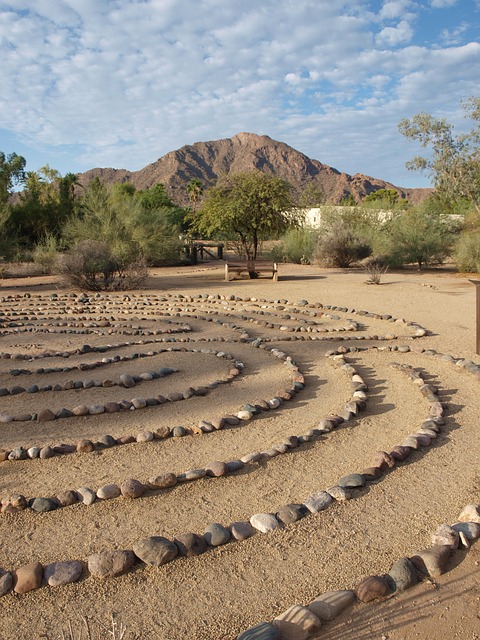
x: 104, y: 397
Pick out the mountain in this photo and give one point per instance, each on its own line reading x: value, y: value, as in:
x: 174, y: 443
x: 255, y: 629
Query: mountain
x: 246, y: 152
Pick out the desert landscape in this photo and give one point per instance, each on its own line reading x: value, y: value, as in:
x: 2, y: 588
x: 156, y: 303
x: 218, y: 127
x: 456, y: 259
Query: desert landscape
x: 217, y: 398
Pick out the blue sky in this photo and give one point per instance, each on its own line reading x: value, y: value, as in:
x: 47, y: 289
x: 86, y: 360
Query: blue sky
x: 119, y: 83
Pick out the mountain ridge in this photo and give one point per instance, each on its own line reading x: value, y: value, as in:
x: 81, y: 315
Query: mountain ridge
x: 207, y: 161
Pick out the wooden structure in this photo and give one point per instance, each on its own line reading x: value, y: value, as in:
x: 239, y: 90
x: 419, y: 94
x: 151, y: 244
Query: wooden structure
x: 199, y: 249
x: 253, y: 267
x: 477, y: 286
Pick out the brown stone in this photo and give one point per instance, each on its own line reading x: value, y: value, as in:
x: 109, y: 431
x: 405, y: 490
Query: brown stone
x: 28, y: 578
x: 297, y: 623
x: 85, y: 446
x: 44, y: 415
x: 371, y: 588
x: 110, y: 563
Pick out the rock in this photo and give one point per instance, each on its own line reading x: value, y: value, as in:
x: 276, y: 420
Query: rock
x: 125, y: 440
x: 471, y: 513
x: 127, y: 381
x: 80, y: 410
x: 132, y: 488
x: 352, y: 481
x: 163, y: 481
x: 13, y: 504
x: 297, y: 623
x: 19, y: 453
x: 179, y: 432
x: 216, y: 535
x: 190, y: 544
x: 446, y: 535
x: 67, y: 498
x: 340, y: 494
x: 145, y: 436
x: 241, y: 530
x: 155, y: 550
x: 108, y: 491
x: 174, y: 396
x: 110, y: 563
x: 96, y: 409
x: 264, y: 522
x: 191, y: 474
x: 216, y: 469
x: 64, y: 448
x: 432, y: 561
x: 330, y: 604
x: 44, y: 415
x: 234, y: 465
x: 139, y: 403
x: 400, y: 453
x: 85, y: 446
x: 470, y: 530
x: 28, y: 578
x: 6, y: 582
x: 162, y: 432
x: 383, y: 460
x: 112, y: 407
x: 262, y: 631
x: 290, y: 513
x: 87, y: 496
x: 59, y: 573
x: 318, y: 501
x: 403, y: 574
x: 42, y: 505
x: 371, y: 588
x: 106, y: 441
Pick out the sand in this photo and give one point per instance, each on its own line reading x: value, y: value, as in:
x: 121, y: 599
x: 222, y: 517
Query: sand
x: 218, y: 594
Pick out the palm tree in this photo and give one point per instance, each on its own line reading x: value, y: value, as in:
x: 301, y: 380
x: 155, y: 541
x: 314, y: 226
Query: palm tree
x: 194, y: 190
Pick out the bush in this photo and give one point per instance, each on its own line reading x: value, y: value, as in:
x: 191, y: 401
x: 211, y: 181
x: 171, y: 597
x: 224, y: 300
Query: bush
x: 340, y: 246
x: 297, y: 246
x: 467, y: 252
x: 90, y: 265
x: 45, y: 254
x: 374, y: 267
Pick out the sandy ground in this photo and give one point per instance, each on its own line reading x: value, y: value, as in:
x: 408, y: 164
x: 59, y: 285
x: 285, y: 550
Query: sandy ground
x: 218, y: 594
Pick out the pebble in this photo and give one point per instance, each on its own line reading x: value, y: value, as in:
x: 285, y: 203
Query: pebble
x: 155, y: 550
x: 163, y: 481
x: 446, y: 535
x: 471, y: 530
x: 96, y: 409
x: 110, y: 563
x: 216, y: 469
x: 262, y: 631
x: 297, y: 623
x: 352, y: 481
x: 371, y: 588
x: 340, y: 494
x: 127, y: 381
x: 432, y: 561
x: 191, y: 474
x: 19, y: 453
x: 330, y: 604
x: 471, y: 513
x: 108, y: 491
x: 85, y: 446
x: 216, y: 534
x: 42, y: 505
x: 190, y: 544
x: 179, y: 432
x: 241, y: 530
x: 403, y: 574
x: 57, y: 574
x: 264, y: 522
x: 132, y: 488
x: 290, y: 513
x: 6, y: 582
x: 28, y: 578
x: 162, y: 432
x: 13, y: 504
x: 87, y: 496
x: 318, y: 501
x: 44, y: 415
x: 145, y: 436
x: 67, y: 498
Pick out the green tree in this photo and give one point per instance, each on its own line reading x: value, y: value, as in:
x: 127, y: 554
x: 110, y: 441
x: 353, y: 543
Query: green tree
x: 384, y: 199
x: 454, y: 164
x: 250, y: 206
x: 348, y: 200
x: 155, y: 198
x: 12, y: 173
x: 312, y: 196
x: 194, y: 190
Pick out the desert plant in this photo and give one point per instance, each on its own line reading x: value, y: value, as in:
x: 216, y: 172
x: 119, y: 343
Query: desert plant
x: 45, y: 254
x: 374, y: 267
x: 340, y: 246
x: 467, y: 252
x: 297, y: 246
x: 91, y: 265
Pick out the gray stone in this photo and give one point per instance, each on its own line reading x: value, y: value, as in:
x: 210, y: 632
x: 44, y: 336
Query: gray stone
x: 352, y: 481
x: 241, y: 530
x: 432, y: 561
x: 108, y: 491
x: 42, y: 505
x: 155, y: 550
x: 403, y: 574
x: 87, y: 496
x: 127, y: 381
x: 6, y: 582
x: 190, y: 544
x: 145, y: 436
x: 57, y: 574
x: 290, y: 513
x: 179, y: 432
x: 318, y: 501
x: 216, y: 534
x: 164, y: 481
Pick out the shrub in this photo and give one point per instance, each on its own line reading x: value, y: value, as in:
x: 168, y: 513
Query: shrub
x: 297, y: 246
x: 467, y: 252
x: 374, y: 267
x: 340, y: 246
x: 45, y: 254
x: 90, y: 265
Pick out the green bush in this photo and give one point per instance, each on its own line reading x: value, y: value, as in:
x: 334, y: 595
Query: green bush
x: 467, y: 252
x: 297, y: 246
x: 45, y: 254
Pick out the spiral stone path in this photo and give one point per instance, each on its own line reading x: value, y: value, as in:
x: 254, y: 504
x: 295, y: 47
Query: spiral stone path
x: 200, y: 456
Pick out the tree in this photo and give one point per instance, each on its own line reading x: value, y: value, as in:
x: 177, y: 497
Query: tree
x: 194, y: 190
x: 312, y: 196
x: 12, y: 173
x: 251, y: 206
x: 384, y: 199
x: 454, y: 165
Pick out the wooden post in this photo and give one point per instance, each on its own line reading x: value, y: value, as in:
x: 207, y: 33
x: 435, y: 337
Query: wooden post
x: 477, y: 286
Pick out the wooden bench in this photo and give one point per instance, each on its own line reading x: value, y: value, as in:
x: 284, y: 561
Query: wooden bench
x: 256, y: 267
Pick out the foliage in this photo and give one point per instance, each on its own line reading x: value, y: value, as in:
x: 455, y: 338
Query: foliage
x: 92, y: 266
x: 12, y: 173
x: 297, y: 246
x: 374, y: 267
x: 454, y: 165
x: 194, y: 191
x: 467, y: 252
x: 45, y: 253
x: 348, y: 200
x: 249, y: 206
x: 340, y: 246
x: 131, y: 225
x: 156, y: 199
x: 384, y: 199
x: 417, y: 236
x: 312, y: 196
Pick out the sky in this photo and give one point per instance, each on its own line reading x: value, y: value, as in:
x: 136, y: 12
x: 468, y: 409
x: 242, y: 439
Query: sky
x: 120, y: 83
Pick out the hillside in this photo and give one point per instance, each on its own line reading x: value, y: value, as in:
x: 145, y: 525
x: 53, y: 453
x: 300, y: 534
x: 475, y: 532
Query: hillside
x: 246, y: 152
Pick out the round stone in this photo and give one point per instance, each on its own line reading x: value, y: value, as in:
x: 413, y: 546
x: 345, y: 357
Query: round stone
x: 155, y: 550
x: 108, y: 491
x: 110, y: 563
x: 371, y: 588
x: 57, y: 574
x: 403, y: 574
x: 42, y: 505
x: 132, y: 488
x: 216, y: 535
x: 264, y: 522
x: 190, y: 544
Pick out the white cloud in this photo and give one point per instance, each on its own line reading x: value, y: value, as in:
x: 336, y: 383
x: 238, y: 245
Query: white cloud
x: 442, y: 4
x: 395, y: 36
